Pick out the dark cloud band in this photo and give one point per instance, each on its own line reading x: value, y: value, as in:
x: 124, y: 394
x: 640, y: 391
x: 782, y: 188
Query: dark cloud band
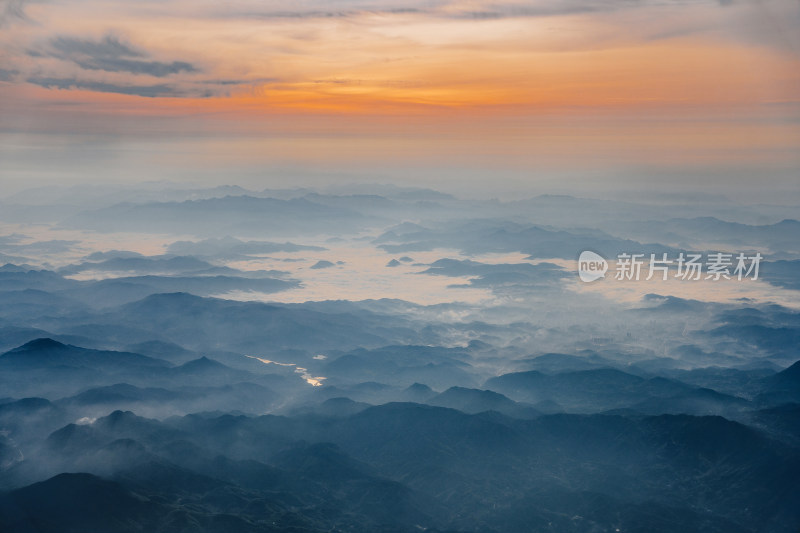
x: 148, y: 91
x: 110, y: 54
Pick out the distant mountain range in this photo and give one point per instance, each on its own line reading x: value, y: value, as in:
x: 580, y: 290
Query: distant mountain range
x: 450, y: 469
x: 478, y: 387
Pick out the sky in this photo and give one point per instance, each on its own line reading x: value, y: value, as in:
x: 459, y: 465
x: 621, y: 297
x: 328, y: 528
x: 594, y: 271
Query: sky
x: 586, y: 96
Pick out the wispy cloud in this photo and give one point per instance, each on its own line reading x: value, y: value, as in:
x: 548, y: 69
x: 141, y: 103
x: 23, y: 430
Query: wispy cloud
x: 7, y: 74
x: 12, y: 10
x: 110, y: 54
x: 149, y: 91
x: 455, y: 9
x: 382, y: 56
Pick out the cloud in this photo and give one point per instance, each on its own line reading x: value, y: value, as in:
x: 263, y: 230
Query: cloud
x: 454, y: 9
x: 229, y: 82
x: 7, y: 75
x: 110, y: 47
x: 496, y: 10
x: 148, y: 91
x: 152, y: 68
x: 110, y: 54
x: 11, y: 10
x: 328, y: 10
x: 114, y: 55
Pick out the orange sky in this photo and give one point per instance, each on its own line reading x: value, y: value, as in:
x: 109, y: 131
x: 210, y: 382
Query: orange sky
x: 703, y: 82
x: 255, y: 56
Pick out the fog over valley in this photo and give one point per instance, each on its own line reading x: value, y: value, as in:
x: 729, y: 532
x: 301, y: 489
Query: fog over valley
x: 310, y: 361
x: 399, y: 266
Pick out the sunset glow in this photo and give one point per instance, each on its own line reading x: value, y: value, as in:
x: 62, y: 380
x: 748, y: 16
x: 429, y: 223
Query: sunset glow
x: 547, y: 87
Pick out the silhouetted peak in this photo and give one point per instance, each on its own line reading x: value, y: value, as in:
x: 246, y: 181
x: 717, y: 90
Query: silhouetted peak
x: 10, y: 267
x: 41, y: 344
x: 793, y: 371
x: 322, y: 264
x: 419, y: 387
x: 29, y: 404
x: 789, y: 377
x: 788, y: 223
x: 467, y: 393
x: 118, y: 417
x: 202, y: 363
x: 339, y: 401
x: 171, y: 298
